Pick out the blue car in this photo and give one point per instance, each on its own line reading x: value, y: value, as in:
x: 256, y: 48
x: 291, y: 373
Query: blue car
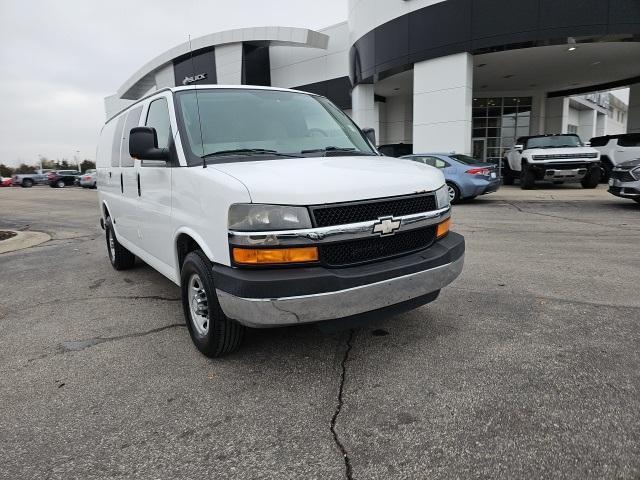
x: 466, y: 177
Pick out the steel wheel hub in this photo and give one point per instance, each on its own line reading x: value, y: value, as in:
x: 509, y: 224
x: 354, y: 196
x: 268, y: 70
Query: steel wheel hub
x: 452, y: 192
x: 112, y: 245
x: 198, y: 305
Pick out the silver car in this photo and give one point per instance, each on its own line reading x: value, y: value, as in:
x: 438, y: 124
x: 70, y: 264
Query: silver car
x: 625, y: 180
x: 88, y: 179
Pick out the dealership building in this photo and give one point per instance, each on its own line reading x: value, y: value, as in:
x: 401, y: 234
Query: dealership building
x: 443, y: 75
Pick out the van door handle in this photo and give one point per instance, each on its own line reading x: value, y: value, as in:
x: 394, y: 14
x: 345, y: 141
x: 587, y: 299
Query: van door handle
x: 121, y: 184
x: 138, y: 178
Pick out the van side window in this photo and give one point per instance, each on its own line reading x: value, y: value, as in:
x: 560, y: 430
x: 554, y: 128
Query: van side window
x: 117, y: 140
x: 133, y: 118
x: 158, y: 118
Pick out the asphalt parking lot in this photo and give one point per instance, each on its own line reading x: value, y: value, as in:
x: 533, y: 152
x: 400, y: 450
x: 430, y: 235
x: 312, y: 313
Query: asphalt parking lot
x: 528, y: 366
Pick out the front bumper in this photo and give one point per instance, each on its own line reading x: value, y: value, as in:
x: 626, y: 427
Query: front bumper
x: 294, y: 296
x: 629, y: 190
x: 564, y: 171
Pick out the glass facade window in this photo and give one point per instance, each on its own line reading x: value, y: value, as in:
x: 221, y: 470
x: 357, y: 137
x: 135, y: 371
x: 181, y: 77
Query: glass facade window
x: 497, y: 122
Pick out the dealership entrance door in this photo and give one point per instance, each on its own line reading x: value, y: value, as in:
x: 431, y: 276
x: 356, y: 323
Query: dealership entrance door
x: 479, y: 149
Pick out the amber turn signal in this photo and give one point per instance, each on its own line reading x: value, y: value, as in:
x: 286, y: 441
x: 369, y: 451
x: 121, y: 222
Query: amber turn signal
x: 443, y: 228
x: 266, y: 256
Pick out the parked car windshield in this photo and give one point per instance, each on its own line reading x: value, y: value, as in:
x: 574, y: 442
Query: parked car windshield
x: 556, y: 141
x: 221, y: 123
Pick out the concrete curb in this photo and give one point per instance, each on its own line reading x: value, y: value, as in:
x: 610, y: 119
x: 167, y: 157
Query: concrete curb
x: 23, y: 240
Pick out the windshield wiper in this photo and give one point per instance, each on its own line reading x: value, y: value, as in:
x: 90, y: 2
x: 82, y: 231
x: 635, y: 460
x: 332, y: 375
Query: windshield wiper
x: 331, y: 148
x: 247, y: 151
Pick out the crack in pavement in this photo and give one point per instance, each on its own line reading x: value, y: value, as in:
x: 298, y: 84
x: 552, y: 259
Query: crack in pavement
x: 546, y: 298
x: 336, y: 413
x: 78, y: 345
x: 522, y: 210
x: 89, y: 299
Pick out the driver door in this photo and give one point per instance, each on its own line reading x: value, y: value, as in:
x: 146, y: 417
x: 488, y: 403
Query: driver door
x: 153, y: 186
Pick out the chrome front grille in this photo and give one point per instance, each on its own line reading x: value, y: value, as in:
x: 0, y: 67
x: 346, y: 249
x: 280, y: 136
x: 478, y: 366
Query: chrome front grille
x: 356, y: 212
x: 376, y: 248
x: 565, y: 156
x: 623, y: 175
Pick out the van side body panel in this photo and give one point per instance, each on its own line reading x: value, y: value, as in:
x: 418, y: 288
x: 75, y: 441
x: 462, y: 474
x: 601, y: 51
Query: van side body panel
x: 202, y: 206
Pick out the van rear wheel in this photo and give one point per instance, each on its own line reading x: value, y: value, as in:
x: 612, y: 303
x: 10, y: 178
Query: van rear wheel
x: 120, y: 257
x: 212, y: 332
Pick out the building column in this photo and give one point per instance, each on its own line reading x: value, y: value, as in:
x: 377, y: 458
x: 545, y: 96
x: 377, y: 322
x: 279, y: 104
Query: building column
x: 397, y: 123
x: 538, y: 114
x: 363, y: 110
x: 588, y: 122
x: 557, y: 115
x: 633, y: 115
x: 601, y: 124
x: 380, y: 115
x: 442, y: 98
x: 229, y: 64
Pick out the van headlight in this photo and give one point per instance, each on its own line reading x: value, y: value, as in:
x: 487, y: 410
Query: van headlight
x: 253, y: 217
x: 442, y: 197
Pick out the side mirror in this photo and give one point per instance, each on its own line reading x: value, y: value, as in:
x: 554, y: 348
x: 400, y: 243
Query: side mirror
x: 518, y: 148
x: 143, y: 144
x: 370, y: 133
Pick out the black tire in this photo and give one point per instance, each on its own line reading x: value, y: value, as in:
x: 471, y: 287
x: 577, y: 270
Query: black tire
x: 527, y: 178
x: 606, y: 168
x: 454, y: 193
x: 223, y: 335
x: 592, y: 179
x: 508, y: 177
x: 120, y: 257
x: 27, y: 183
x: 60, y: 184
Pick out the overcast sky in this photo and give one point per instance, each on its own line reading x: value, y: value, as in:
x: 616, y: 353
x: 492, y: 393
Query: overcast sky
x: 61, y: 58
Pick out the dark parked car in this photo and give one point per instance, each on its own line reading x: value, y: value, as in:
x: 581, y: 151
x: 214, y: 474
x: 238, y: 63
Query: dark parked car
x: 62, y: 178
x: 625, y: 180
x: 396, y: 149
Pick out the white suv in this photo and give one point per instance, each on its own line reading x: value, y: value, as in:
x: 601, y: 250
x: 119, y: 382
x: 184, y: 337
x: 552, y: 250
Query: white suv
x: 616, y: 149
x: 270, y: 207
x: 556, y: 158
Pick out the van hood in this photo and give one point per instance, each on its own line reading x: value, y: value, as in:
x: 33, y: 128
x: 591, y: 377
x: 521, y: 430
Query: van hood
x: 314, y: 181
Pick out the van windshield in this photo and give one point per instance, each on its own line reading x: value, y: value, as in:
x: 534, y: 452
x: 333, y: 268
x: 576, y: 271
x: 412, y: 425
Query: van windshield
x: 224, y: 123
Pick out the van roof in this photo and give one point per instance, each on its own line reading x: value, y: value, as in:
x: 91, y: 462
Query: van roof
x: 206, y: 87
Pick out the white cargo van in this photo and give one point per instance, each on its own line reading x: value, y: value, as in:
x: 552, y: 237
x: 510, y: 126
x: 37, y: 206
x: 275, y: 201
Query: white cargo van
x: 270, y: 207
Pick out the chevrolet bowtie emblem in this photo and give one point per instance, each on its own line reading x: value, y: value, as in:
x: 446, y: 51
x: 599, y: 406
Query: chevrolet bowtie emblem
x: 386, y: 226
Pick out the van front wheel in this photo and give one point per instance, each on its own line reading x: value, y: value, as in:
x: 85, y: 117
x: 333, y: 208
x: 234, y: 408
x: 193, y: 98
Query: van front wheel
x: 212, y: 332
